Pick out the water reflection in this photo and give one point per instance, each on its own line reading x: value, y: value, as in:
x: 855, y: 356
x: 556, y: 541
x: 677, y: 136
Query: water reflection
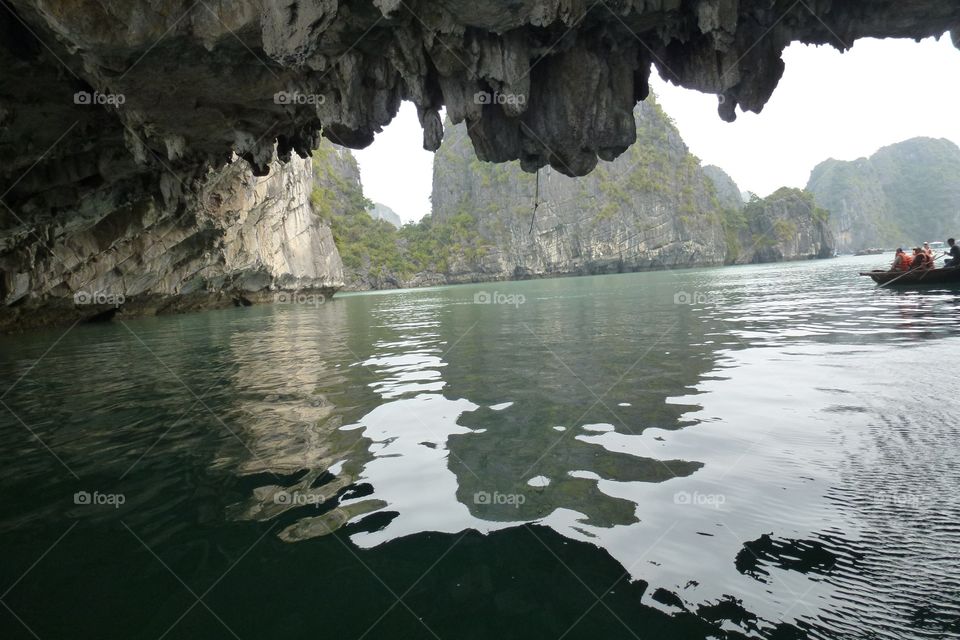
x: 436, y: 460
x: 742, y: 463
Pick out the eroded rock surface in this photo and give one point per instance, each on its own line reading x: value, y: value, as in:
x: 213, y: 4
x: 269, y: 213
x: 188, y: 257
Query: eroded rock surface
x: 117, y: 103
x: 235, y: 240
x: 542, y: 81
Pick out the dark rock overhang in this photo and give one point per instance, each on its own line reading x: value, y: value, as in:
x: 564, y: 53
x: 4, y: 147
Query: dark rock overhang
x: 100, y: 92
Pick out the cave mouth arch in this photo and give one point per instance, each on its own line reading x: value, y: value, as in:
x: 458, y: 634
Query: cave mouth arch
x: 543, y: 83
x: 111, y: 106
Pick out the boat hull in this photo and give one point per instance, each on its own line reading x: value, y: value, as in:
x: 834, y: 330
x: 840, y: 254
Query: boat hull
x: 917, y: 277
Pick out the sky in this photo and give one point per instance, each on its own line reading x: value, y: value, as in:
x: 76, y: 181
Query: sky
x: 827, y: 105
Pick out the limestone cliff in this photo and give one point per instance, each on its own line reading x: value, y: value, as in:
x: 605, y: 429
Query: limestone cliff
x: 904, y: 194
x: 122, y: 94
x: 652, y: 207
x: 728, y: 193
x: 233, y: 239
x: 786, y: 225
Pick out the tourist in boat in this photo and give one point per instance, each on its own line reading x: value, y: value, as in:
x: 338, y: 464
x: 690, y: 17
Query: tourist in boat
x: 902, y: 261
x: 920, y: 259
x: 953, y: 253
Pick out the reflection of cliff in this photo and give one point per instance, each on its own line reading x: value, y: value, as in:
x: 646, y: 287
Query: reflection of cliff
x: 282, y: 379
x: 565, y: 442
x: 287, y: 426
x: 410, y: 428
x: 342, y: 464
x: 438, y: 428
x: 562, y: 470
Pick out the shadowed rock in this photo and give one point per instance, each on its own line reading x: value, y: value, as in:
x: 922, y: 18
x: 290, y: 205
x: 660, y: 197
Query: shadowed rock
x: 129, y: 104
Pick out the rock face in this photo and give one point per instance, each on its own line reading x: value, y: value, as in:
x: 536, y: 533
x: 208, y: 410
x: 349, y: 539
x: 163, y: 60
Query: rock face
x: 109, y: 105
x: 904, y: 194
x: 145, y: 94
x: 651, y: 207
x: 236, y: 239
x: 385, y: 213
x: 728, y: 193
x: 787, y: 225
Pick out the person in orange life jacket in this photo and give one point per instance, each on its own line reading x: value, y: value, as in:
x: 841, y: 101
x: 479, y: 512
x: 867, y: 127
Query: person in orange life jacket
x: 920, y: 259
x: 902, y: 261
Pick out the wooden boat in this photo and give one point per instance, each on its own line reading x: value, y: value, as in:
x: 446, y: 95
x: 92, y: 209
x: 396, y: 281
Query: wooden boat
x: 945, y: 275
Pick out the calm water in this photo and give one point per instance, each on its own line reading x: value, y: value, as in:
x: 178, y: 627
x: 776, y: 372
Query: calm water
x: 742, y: 452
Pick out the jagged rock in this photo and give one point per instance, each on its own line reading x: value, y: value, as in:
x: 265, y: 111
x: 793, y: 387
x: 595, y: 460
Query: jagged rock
x: 236, y: 239
x: 561, y: 76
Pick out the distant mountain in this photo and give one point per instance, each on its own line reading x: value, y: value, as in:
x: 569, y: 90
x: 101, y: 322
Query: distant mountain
x: 906, y: 193
x: 383, y: 212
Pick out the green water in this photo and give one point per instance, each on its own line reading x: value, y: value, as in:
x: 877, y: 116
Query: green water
x: 764, y: 451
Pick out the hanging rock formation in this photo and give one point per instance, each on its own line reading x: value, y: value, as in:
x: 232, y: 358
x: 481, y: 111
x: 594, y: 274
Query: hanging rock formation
x: 185, y: 82
x: 128, y: 102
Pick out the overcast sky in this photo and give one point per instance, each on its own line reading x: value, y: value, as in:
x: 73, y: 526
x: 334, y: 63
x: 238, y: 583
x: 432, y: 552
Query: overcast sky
x: 827, y: 105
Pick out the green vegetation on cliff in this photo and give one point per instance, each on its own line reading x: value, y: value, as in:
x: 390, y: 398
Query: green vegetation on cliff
x: 766, y: 229
x: 906, y: 192
x: 375, y: 248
